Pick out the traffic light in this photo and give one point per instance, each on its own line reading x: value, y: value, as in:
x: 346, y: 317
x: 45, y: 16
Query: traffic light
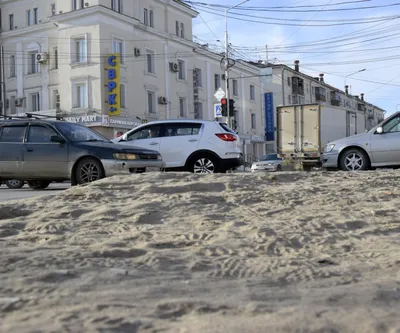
x: 231, y: 107
x: 224, y: 108
x: 234, y: 124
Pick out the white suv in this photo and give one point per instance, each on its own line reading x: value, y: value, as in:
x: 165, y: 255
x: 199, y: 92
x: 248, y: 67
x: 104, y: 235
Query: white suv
x: 197, y: 146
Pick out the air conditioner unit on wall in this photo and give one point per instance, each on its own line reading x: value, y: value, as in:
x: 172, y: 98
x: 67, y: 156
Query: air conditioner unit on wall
x: 137, y: 52
x: 162, y: 100
x: 41, y: 58
x: 174, y: 67
x: 19, y: 102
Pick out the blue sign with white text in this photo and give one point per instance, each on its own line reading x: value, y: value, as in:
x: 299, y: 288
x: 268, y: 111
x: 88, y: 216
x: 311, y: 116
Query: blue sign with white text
x: 269, y: 117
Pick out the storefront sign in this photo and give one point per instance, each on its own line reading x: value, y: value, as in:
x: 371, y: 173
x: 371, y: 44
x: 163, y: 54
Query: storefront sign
x: 269, y: 117
x: 113, y: 85
x: 257, y: 138
x: 104, y: 120
x: 123, y: 123
x: 92, y: 120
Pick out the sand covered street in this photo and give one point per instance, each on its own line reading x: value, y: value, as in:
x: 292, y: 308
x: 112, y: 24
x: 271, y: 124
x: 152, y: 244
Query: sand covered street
x: 183, y: 253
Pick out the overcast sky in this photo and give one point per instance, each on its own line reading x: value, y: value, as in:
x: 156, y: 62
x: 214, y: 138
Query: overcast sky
x: 367, y: 45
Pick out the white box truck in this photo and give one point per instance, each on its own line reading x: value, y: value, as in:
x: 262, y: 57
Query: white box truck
x: 304, y: 130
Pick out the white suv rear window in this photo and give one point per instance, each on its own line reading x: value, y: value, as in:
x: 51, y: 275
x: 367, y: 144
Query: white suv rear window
x: 226, y: 128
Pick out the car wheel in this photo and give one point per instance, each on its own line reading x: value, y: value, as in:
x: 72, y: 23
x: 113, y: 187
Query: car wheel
x: 89, y: 170
x: 354, y: 160
x: 15, y: 184
x: 38, y: 184
x: 203, y: 164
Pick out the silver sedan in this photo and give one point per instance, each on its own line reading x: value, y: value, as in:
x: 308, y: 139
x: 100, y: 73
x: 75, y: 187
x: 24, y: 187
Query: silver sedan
x: 269, y: 162
x: 379, y: 147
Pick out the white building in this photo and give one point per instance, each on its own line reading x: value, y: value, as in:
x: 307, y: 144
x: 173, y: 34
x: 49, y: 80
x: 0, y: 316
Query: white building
x: 290, y: 86
x: 56, y: 55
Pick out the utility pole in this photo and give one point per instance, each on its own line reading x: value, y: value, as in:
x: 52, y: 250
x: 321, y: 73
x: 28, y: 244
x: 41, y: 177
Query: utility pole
x: 227, y: 61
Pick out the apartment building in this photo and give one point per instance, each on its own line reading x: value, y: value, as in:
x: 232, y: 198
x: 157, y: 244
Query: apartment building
x: 289, y: 86
x: 57, y: 56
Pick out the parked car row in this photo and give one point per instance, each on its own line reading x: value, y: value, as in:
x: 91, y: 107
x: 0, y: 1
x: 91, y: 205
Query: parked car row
x: 41, y: 150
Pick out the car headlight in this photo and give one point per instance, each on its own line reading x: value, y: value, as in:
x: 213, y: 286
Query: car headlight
x: 159, y: 157
x: 122, y: 156
x: 329, y: 148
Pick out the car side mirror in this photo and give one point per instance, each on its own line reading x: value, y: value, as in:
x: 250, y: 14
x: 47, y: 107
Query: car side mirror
x: 379, y: 130
x: 57, y: 138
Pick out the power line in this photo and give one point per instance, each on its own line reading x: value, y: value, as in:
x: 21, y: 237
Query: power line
x: 349, y: 22
x: 265, y: 9
x: 276, y: 7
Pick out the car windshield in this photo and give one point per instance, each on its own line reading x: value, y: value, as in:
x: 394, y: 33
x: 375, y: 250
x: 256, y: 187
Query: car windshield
x: 269, y: 157
x: 79, y: 133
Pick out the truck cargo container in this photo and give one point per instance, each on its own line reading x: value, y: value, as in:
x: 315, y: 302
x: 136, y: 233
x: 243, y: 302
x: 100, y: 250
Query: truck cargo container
x: 304, y: 130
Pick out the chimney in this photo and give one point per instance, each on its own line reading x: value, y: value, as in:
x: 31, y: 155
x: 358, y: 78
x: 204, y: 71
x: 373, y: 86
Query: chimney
x: 321, y: 77
x: 362, y: 97
x: 297, y: 66
x: 346, y: 89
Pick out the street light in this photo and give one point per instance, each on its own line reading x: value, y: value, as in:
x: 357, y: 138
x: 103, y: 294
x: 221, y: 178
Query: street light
x: 361, y: 70
x: 227, y: 59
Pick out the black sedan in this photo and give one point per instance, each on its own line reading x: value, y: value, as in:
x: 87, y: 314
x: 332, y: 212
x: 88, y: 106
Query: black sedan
x: 41, y: 151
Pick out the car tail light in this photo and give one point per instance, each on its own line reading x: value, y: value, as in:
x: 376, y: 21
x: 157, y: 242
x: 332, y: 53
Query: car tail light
x: 226, y: 137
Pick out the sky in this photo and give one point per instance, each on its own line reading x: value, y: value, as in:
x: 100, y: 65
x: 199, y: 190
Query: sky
x: 372, y: 44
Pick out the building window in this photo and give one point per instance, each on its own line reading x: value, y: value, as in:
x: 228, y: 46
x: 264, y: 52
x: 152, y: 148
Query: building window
x: 12, y: 107
x: 182, y: 31
x: 151, y: 102
x: 289, y: 99
x: 253, y: 121
x: 150, y: 62
x: 53, y: 98
x: 55, y: 65
x: 122, y: 95
x: 148, y: 17
x: 35, y: 16
x: 53, y: 9
x: 182, y: 70
x: 198, y: 77
x: 235, y: 88
x: 198, y: 110
x: 177, y: 28
x: 78, y: 4
x: 217, y: 81
x: 151, y: 18
x: 80, y: 50
x: 118, y: 47
x: 288, y: 81
x: 35, y: 102
x: 182, y: 108
x: 12, y: 66
x: 116, y: 5
x: 11, y: 18
x: 80, y: 96
x: 28, y: 17
x: 33, y: 66
x: 252, y: 93
x: 145, y: 16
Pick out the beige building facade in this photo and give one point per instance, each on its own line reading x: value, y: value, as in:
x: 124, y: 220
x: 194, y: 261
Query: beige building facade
x: 56, y: 58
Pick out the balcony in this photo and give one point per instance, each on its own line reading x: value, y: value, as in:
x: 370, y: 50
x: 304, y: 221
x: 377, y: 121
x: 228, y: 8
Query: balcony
x: 320, y: 94
x: 298, y: 99
x: 335, y: 102
x: 297, y: 86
